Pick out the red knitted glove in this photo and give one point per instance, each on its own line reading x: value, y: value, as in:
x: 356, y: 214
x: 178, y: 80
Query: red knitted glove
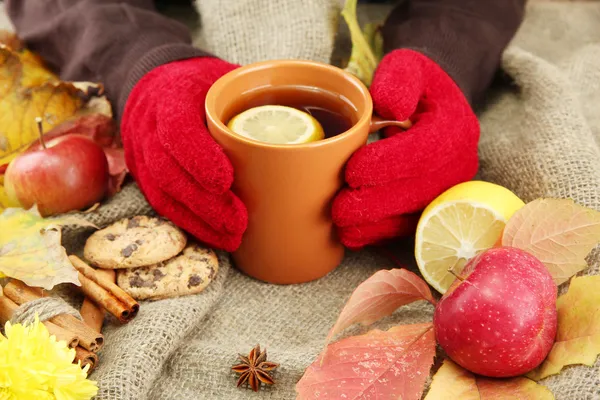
x: 182, y: 171
x: 392, y: 178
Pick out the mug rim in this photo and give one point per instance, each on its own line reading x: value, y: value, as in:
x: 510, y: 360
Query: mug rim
x: 226, y: 79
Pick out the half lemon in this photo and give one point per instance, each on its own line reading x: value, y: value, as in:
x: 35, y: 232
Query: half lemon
x: 459, y: 224
x: 277, y: 125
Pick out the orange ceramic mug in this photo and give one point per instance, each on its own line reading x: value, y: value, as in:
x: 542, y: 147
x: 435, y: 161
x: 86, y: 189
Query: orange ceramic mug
x: 288, y: 189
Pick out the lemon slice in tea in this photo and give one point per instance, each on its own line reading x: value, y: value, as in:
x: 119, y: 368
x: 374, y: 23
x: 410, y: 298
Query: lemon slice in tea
x: 459, y: 224
x: 277, y: 125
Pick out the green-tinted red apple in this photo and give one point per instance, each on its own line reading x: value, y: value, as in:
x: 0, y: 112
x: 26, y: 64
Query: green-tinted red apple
x: 500, y: 321
x: 69, y: 173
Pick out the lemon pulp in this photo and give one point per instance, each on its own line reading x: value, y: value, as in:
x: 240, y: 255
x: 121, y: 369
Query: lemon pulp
x: 277, y: 125
x: 459, y: 224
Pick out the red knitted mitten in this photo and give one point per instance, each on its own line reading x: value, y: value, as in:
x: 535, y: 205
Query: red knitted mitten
x: 182, y: 171
x: 398, y: 176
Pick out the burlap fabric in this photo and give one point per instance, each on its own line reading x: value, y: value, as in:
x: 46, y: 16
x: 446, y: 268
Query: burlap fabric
x: 540, y: 137
x: 244, y: 31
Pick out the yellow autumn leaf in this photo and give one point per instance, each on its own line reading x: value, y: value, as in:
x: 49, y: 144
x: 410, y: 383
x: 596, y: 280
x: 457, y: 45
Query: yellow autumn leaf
x: 34, y: 70
x: 5, y: 201
x: 31, y: 70
x: 31, y: 250
x: 578, y: 334
x: 10, y: 71
x: 23, y: 69
x: 53, y: 102
x: 29, y: 90
x: 454, y: 382
x: 559, y: 232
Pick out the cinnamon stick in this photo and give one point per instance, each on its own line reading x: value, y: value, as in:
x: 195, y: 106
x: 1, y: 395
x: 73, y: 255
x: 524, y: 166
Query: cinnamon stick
x: 86, y: 357
x: 62, y: 334
x: 90, y: 340
x: 130, y: 306
x: 8, y: 308
x: 105, y: 299
x: 93, y: 314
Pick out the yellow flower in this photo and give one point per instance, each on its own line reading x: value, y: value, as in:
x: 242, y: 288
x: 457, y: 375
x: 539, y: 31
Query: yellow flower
x: 35, y: 366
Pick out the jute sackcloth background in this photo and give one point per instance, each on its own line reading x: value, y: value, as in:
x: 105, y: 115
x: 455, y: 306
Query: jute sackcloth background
x: 540, y: 137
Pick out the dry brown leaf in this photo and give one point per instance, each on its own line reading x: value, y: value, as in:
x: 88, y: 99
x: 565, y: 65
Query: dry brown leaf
x: 10, y: 40
x: 454, y: 382
x: 95, y: 99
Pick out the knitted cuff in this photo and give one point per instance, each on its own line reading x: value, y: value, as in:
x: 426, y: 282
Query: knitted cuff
x: 449, y: 51
x: 464, y: 37
x: 149, y: 59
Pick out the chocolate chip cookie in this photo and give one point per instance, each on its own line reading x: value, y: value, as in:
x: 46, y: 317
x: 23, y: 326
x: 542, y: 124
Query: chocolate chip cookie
x: 188, y: 273
x: 134, y: 242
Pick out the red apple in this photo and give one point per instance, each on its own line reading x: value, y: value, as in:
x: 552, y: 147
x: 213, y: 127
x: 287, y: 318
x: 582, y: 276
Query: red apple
x: 500, y: 320
x: 69, y: 173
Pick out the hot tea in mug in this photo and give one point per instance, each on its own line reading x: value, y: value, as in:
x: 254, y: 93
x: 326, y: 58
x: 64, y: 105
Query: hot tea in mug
x: 288, y: 188
x: 333, y: 114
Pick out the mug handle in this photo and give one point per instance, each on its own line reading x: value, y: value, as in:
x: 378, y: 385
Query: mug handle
x: 378, y: 123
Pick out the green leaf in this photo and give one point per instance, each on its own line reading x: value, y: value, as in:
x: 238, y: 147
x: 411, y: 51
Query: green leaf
x: 367, y: 46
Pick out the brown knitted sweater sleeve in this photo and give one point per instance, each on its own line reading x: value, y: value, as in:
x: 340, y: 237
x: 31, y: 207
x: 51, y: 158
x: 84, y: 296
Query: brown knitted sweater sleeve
x: 110, y: 41
x: 465, y: 37
x: 117, y: 41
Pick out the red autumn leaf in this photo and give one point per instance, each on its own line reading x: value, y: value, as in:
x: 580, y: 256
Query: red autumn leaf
x: 379, y: 296
x: 98, y: 127
x: 381, y: 365
x: 116, y: 168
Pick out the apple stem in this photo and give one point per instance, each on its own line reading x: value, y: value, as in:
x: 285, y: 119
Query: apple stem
x: 38, y: 120
x: 460, y: 278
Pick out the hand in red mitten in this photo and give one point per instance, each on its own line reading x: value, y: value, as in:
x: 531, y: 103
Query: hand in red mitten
x: 181, y: 170
x: 398, y: 176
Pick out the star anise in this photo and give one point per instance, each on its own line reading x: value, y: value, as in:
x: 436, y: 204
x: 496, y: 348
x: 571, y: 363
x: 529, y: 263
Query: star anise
x: 255, y: 369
